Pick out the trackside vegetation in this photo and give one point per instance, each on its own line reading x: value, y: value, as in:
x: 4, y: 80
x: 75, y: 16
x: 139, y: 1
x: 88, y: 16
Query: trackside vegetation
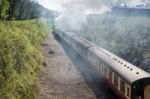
x: 20, y: 57
x: 126, y: 36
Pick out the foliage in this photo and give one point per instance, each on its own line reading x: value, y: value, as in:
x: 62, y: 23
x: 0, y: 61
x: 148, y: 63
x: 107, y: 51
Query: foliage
x: 21, y: 58
x: 4, y: 6
x: 23, y: 9
x: 126, y: 36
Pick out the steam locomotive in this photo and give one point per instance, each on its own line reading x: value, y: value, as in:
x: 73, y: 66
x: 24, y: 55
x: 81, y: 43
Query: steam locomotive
x: 127, y: 80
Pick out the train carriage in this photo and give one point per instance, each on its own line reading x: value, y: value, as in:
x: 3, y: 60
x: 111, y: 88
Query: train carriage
x: 129, y: 81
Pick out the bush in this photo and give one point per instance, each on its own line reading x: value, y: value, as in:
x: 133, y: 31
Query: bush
x: 126, y: 36
x: 20, y: 58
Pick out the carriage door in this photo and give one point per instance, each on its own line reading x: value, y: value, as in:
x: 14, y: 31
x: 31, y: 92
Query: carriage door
x: 147, y: 92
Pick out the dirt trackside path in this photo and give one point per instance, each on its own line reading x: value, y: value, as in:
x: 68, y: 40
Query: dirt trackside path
x: 60, y: 79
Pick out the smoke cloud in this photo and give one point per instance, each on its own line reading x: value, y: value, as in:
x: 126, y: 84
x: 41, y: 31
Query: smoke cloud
x: 74, y: 16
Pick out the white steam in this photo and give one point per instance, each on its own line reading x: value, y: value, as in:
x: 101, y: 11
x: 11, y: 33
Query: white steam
x: 74, y: 16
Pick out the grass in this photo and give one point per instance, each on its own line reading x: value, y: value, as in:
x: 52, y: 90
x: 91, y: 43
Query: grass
x: 20, y: 57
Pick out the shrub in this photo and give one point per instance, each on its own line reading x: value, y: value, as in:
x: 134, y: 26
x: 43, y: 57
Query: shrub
x: 20, y: 58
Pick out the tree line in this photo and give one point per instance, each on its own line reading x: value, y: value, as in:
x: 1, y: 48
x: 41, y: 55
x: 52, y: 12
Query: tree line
x: 19, y: 9
x: 125, y: 2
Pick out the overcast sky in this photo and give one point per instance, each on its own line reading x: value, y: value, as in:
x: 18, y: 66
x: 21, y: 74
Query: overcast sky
x: 53, y: 4
x: 58, y: 4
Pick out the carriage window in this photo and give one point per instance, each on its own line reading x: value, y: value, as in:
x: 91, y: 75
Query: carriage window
x: 92, y: 58
x: 122, y: 86
x: 102, y: 68
x: 128, y: 91
x: 110, y: 75
x: 115, y: 79
x: 105, y: 70
x: 97, y: 63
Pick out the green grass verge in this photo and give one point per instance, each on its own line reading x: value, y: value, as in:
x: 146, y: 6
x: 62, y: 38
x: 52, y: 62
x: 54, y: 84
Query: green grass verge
x: 20, y: 57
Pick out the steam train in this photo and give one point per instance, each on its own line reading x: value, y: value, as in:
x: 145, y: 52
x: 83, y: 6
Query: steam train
x: 127, y: 80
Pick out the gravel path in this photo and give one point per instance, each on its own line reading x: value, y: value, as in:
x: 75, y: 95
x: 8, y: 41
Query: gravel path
x: 60, y: 79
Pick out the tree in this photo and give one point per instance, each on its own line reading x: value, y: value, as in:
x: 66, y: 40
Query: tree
x: 147, y: 2
x: 21, y: 9
x: 14, y: 7
x: 120, y: 2
x: 4, y: 7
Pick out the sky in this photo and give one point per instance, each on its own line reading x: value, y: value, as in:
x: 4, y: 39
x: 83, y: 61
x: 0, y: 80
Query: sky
x: 54, y: 4
x: 57, y: 5
x: 60, y: 5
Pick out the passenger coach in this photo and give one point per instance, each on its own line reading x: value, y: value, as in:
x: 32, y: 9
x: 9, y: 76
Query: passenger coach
x: 127, y: 80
